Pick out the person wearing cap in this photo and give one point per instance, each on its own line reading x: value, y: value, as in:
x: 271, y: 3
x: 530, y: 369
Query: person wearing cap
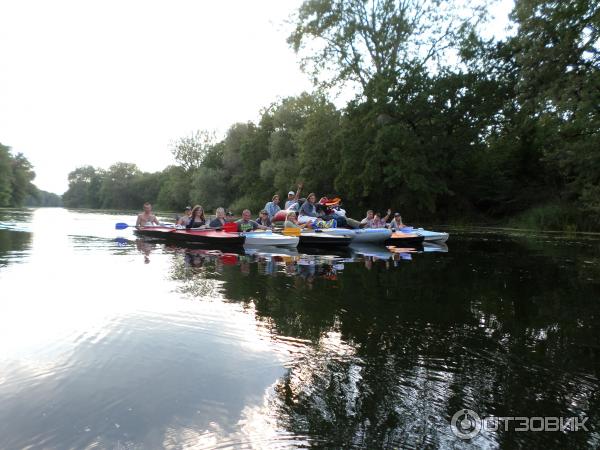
x: 263, y: 219
x: 272, y: 207
x: 293, y: 197
x: 185, y: 218
x: 396, y: 223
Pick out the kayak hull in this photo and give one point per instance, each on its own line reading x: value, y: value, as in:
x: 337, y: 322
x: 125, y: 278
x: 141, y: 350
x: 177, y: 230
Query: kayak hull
x: 428, y: 236
x: 213, y: 237
x: 363, y: 236
x: 315, y: 239
x: 399, y: 239
x: 371, y: 235
x: 153, y: 232
x: 268, y: 239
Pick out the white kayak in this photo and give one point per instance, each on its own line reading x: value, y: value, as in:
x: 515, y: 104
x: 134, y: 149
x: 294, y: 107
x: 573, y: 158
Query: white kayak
x: 269, y: 239
x: 364, y: 235
x: 371, y: 235
x: 428, y: 236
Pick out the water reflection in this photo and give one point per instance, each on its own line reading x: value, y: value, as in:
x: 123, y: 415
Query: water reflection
x: 15, y: 236
x: 306, y: 263
x: 388, y: 356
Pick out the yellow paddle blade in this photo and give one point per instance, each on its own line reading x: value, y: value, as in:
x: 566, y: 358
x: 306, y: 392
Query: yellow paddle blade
x: 291, y: 231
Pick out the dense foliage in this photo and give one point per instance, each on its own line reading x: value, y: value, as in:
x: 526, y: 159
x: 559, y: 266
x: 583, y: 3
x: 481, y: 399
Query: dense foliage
x: 43, y: 198
x: 16, y: 176
x: 444, y: 123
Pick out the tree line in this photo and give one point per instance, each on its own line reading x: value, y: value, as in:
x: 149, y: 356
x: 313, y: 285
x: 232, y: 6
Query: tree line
x: 16, y: 182
x: 445, y: 124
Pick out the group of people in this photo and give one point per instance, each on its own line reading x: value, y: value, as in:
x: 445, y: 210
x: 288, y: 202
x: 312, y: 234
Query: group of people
x: 324, y: 214
x: 299, y: 213
x: 375, y: 220
x: 195, y: 218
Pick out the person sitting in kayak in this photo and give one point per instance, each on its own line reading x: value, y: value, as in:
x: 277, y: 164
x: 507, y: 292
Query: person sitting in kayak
x: 218, y: 221
x: 292, y: 222
x: 272, y: 207
x: 308, y: 210
x: 331, y: 211
x: 147, y: 218
x: 197, y: 219
x: 293, y: 198
x: 309, y: 214
x: 367, y: 222
x: 263, y: 219
x: 397, y: 223
x: 185, y: 218
x: 381, y: 222
x: 246, y: 224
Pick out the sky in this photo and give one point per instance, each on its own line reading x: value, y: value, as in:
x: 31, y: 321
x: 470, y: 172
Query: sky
x: 96, y: 82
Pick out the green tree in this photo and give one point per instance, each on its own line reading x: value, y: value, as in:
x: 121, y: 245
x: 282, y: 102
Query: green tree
x: 84, y: 188
x: 559, y: 65
x: 116, y: 190
x: 373, y: 43
x: 190, y: 151
x: 5, y: 176
x: 22, y: 177
x: 174, y: 189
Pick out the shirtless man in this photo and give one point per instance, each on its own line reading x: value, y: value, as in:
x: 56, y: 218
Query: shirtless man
x: 147, y: 218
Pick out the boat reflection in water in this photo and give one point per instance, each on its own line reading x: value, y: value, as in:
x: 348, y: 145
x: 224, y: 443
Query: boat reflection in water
x: 304, y: 262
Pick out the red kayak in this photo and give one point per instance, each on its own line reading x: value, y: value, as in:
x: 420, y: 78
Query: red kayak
x: 216, y: 237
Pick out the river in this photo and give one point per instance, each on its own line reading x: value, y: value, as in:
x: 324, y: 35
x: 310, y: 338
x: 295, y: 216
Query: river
x: 109, y: 341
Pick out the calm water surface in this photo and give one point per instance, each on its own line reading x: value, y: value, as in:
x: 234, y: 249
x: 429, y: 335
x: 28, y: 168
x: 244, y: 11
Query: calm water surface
x: 107, y: 341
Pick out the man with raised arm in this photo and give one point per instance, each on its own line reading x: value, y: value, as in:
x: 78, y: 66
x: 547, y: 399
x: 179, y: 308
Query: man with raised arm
x: 293, y: 198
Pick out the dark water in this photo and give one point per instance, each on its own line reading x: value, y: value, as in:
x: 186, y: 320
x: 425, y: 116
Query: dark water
x: 118, y: 343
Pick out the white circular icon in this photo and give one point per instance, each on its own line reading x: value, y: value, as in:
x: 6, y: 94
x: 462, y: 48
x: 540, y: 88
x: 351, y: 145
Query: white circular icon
x: 465, y: 424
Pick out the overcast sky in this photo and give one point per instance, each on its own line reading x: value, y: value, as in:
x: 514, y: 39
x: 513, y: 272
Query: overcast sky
x: 95, y: 82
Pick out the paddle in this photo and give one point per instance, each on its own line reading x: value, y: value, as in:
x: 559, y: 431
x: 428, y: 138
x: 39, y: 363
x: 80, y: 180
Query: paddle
x: 122, y: 226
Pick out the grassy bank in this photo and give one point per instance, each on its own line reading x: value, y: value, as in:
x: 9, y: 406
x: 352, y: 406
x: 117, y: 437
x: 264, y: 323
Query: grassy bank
x: 556, y: 217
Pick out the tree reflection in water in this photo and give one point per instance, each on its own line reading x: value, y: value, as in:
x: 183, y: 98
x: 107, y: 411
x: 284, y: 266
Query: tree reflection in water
x: 498, y: 326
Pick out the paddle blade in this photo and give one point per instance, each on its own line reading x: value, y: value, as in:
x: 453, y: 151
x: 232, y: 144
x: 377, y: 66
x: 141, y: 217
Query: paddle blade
x: 121, y: 226
x: 291, y: 231
x: 230, y: 227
